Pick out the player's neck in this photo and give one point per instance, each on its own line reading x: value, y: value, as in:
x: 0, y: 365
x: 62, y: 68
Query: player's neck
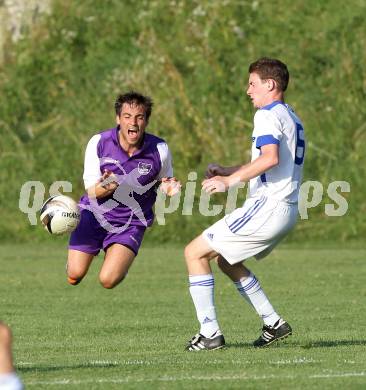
x: 128, y: 148
x: 277, y: 97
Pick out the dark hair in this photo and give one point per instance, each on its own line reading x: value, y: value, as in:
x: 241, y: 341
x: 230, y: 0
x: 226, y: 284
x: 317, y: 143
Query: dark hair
x: 270, y: 68
x: 136, y: 98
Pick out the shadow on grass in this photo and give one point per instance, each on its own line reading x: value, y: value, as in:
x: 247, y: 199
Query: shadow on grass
x: 309, y: 345
x: 331, y: 343
x: 25, y: 369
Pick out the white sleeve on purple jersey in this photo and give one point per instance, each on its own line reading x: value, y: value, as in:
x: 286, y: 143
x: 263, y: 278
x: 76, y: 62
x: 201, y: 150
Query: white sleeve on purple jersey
x: 92, y: 171
x: 166, y: 161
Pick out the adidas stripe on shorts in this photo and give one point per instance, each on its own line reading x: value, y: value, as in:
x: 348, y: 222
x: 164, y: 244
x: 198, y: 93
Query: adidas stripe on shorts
x: 252, y: 230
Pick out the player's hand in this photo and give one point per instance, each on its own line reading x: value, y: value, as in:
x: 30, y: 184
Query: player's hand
x: 170, y: 186
x: 214, y: 170
x: 108, y: 180
x: 215, y: 184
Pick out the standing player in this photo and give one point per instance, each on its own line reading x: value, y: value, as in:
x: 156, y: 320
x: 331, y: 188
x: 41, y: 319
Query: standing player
x: 268, y: 214
x: 122, y: 169
x: 8, y: 378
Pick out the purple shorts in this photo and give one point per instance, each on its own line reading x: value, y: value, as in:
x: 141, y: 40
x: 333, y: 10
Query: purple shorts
x: 91, y: 237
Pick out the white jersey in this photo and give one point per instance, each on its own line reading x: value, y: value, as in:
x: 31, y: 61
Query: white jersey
x: 278, y: 124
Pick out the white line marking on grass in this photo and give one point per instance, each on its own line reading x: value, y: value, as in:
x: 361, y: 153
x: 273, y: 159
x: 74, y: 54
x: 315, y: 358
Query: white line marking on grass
x: 193, y: 378
x: 103, y: 363
x: 345, y: 374
x: 301, y: 360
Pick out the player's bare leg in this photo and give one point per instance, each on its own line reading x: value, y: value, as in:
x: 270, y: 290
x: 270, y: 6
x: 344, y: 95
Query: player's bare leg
x: 275, y: 328
x: 77, y: 265
x: 235, y: 272
x: 118, y: 260
x: 8, y: 378
x: 198, y: 255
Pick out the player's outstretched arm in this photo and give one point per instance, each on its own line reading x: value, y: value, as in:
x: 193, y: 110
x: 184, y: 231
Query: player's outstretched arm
x: 267, y: 160
x: 104, y: 187
x: 170, y: 186
x: 218, y: 170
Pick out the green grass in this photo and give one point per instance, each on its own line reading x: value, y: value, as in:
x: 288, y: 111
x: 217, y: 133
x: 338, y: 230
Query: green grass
x: 86, y: 337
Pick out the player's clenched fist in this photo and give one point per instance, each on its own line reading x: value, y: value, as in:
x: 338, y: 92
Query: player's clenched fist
x: 215, y: 184
x: 170, y: 186
x: 214, y: 170
x: 108, y: 180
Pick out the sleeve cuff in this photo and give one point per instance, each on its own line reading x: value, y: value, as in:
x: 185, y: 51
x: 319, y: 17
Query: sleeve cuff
x: 266, y: 140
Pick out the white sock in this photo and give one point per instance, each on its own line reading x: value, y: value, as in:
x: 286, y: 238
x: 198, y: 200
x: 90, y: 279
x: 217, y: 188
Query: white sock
x: 252, y: 291
x: 10, y: 381
x: 201, y: 288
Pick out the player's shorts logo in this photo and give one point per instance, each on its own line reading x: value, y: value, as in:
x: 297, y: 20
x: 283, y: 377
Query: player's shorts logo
x: 144, y: 168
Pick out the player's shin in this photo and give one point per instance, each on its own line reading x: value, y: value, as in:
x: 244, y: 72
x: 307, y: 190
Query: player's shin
x: 201, y: 288
x: 252, y: 291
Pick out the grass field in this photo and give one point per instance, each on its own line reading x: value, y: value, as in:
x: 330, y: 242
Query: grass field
x: 133, y: 337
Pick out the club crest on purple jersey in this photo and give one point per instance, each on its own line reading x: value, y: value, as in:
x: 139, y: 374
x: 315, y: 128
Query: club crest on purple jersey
x: 144, y: 168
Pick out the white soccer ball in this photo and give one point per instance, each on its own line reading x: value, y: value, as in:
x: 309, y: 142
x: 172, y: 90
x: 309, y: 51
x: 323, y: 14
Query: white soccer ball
x: 60, y: 214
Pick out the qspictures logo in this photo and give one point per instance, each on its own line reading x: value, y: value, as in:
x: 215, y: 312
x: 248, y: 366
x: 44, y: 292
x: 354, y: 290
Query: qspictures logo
x: 311, y: 195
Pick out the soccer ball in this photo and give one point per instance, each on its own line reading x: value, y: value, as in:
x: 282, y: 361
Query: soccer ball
x: 60, y: 214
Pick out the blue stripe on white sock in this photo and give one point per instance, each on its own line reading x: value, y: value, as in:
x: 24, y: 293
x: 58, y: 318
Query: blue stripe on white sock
x: 201, y: 280
x: 208, y: 282
x: 251, y: 284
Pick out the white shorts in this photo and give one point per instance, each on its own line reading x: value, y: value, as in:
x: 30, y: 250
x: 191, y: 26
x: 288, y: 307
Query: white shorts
x: 252, y: 230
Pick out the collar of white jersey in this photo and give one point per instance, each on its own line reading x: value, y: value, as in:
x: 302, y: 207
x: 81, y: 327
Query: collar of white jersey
x: 273, y: 104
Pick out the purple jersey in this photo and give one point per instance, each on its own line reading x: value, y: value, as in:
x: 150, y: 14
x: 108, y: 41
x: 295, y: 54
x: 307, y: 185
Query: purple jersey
x: 137, y: 175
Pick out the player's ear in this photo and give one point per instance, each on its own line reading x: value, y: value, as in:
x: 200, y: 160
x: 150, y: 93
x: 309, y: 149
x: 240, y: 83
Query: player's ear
x: 271, y: 84
x: 118, y: 120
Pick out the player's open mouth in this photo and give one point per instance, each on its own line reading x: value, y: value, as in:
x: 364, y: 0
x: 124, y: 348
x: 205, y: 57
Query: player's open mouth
x: 133, y: 131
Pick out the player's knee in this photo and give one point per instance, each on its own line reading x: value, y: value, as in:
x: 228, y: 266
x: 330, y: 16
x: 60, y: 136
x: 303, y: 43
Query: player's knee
x: 107, y: 284
x: 74, y: 277
x: 192, y: 255
x: 188, y: 253
x: 74, y: 281
x: 74, y: 274
x: 110, y: 282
